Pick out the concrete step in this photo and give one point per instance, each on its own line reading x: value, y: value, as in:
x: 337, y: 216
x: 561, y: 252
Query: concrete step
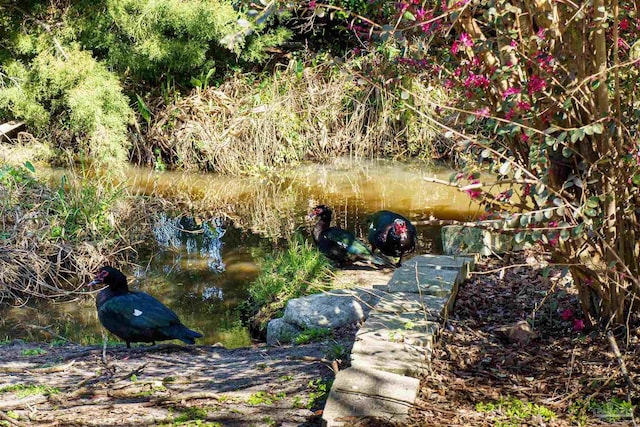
x: 395, y: 357
x: 402, y: 302
x: 395, y: 344
x: 408, y: 327
x: 363, y: 392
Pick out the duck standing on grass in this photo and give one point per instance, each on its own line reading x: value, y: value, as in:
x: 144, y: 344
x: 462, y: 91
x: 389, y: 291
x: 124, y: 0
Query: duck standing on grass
x: 340, y: 245
x: 136, y: 316
x: 392, y: 233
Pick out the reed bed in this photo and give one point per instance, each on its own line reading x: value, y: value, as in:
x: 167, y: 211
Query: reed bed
x: 37, y: 259
x: 248, y: 126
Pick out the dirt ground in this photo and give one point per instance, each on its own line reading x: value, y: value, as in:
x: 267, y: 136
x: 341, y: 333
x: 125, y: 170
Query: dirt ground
x: 164, y: 385
x: 489, y: 369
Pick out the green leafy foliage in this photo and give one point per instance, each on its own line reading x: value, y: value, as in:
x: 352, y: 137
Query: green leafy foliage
x: 297, y: 271
x: 73, y: 96
x: 152, y: 39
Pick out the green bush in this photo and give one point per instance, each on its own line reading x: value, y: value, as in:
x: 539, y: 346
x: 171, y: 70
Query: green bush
x: 156, y: 40
x: 71, y: 97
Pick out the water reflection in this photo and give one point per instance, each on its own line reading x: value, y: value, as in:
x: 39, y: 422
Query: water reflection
x: 208, y: 257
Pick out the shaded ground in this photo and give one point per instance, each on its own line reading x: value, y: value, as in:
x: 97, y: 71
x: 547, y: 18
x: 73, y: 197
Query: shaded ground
x: 489, y: 370
x: 165, y: 385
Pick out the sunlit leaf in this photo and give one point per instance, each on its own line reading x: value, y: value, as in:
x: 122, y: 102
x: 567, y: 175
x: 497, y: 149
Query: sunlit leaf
x: 29, y: 166
x: 408, y: 16
x: 593, y: 202
x: 505, y: 168
x: 597, y: 128
x: 590, y: 212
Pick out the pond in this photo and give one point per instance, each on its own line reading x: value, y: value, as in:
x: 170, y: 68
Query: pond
x: 203, y: 273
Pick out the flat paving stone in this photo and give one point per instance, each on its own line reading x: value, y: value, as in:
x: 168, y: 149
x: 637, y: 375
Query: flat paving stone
x: 442, y: 261
x: 363, y: 392
x: 396, y: 357
x: 438, y: 282
x: 402, y: 302
x: 410, y: 328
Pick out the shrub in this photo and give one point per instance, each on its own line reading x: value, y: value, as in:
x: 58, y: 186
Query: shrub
x: 548, y: 91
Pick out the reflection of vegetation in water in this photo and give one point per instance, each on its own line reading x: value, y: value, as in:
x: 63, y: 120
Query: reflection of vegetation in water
x: 202, y: 239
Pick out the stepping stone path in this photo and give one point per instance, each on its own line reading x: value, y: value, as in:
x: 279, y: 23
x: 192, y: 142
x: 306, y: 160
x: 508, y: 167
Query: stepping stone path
x: 393, y: 347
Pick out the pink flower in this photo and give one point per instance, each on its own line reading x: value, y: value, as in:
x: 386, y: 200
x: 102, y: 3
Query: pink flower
x: 524, y: 137
x: 578, y: 325
x: 513, y: 43
x: 312, y: 4
x: 510, y: 114
x: 483, y: 112
x: 455, y: 47
x: 566, y: 314
x: 523, y: 105
x: 474, y: 193
x: 624, y: 24
x: 466, y: 40
x: 540, y: 33
x: 448, y: 84
x: 420, y: 13
x: 536, y: 84
x: 511, y: 91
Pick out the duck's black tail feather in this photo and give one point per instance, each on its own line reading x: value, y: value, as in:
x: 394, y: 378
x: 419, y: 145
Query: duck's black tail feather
x: 185, y: 334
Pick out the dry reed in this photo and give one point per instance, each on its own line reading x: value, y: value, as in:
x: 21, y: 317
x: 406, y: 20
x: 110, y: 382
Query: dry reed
x: 315, y: 114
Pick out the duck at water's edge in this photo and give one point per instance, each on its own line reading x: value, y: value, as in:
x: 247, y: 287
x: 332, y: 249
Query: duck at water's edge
x: 392, y: 234
x: 341, y: 245
x: 136, y: 316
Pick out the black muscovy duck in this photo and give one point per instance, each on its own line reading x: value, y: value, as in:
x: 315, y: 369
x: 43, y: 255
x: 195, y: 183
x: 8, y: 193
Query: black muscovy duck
x: 136, y: 316
x: 392, y: 234
x: 340, y: 245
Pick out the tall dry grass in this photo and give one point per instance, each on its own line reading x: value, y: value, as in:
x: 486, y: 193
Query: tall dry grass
x: 53, y: 239
x: 249, y: 125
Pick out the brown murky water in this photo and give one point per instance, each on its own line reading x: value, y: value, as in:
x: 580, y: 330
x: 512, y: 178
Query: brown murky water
x: 204, y: 277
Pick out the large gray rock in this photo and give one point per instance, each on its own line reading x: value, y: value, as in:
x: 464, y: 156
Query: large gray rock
x: 332, y: 309
x: 280, y: 331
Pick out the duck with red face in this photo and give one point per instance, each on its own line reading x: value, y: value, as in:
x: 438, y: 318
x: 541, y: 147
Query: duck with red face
x: 392, y: 234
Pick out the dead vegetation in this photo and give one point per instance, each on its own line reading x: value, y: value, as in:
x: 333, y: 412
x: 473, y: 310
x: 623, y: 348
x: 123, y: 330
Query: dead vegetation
x: 54, y: 238
x: 490, y: 370
x: 245, y: 126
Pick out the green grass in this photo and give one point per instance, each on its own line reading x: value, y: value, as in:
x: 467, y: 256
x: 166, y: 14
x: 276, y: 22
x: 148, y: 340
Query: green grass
x: 312, y: 335
x: 265, y: 398
x: 296, y: 271
x: 319, y: 392
x: 612, y: 410
x: 33, y: 352
x: 24, y: 390
x: 512, y: 412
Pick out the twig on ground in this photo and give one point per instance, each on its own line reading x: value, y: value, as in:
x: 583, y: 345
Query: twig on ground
x: 623, y: 366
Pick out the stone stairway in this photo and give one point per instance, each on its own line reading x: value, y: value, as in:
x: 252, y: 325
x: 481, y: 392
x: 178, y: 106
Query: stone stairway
x: 393, y: 347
